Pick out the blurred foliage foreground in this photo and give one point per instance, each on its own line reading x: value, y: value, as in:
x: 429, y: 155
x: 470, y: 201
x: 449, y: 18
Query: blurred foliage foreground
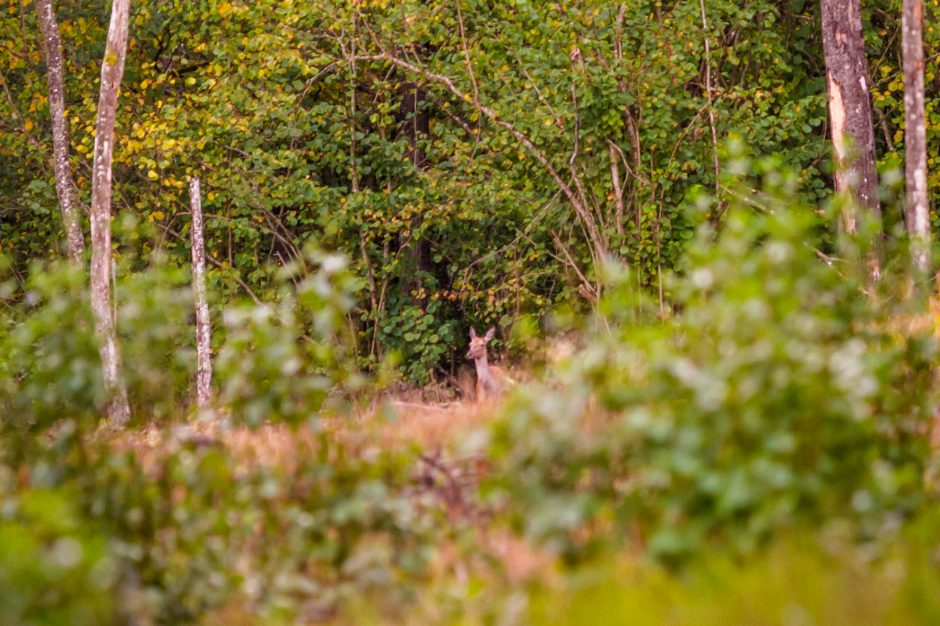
x: 758, y: 457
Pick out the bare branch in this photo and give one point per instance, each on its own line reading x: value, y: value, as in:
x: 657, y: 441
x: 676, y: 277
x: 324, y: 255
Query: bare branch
x: 583, y: 212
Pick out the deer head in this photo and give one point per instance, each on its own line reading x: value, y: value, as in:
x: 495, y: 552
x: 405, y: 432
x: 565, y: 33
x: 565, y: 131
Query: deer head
x: 478, y: 344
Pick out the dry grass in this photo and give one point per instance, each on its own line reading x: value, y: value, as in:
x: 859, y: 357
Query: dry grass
x: 397, y: 422
x: 272, y: 445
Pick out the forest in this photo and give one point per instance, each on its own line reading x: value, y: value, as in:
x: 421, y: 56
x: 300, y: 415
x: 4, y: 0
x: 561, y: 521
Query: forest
x: 469, y: 312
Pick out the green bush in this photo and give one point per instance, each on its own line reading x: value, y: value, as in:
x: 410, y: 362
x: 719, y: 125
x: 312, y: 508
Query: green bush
x: 795, y: 581
x: 49, y: 367
x: 798, y: 578
x: 157, y: 338
x: 192, y: 527
x: 280, y: 361
x: 199, y: 529
x: 54, y: 569
x: 777, y: 393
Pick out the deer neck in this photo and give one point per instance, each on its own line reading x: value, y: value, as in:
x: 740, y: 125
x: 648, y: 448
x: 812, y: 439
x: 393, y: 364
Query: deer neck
x: 483, y: 368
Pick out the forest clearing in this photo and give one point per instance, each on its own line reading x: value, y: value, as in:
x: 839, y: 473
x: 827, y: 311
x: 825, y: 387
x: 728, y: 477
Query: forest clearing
x: 469, y: 312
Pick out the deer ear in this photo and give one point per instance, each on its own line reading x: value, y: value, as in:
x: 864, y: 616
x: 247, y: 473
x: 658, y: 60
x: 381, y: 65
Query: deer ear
x: 473, y: 333
x: 490, y: 333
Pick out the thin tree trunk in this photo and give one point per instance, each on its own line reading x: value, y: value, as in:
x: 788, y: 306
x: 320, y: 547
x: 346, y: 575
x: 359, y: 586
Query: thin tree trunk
x: 112, y: 70
x: 915, y: 134
x: 853, y: 136
x: 416, y: 126
x: 711, y: 109
x: 64, y: 185
x: 203, y: 328
x: 615, y: 181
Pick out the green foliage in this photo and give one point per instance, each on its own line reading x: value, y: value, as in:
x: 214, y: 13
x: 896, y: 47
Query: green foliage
x: 280, y: 361
x: 797, y: 580
x: 510, y: 158
x: 801, y: 577
x: 776, y: 395
x: 276, y: 361
x: 300, y: 131
x: 197, y: 529
x: 49, y: 367
x: 194, y: 527
x: 53, y: 568
x: 157, y: 338
x: 419, y: 337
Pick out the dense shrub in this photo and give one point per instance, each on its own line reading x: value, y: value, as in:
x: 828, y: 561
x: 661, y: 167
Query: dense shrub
x: 280, y: 361
x: 276, y: 361
x: 54, y: 568
x: 192, y: 527
x: 198, y: 529
x: 778, y: 393
x: 49, y: 367
x: 796, y: 581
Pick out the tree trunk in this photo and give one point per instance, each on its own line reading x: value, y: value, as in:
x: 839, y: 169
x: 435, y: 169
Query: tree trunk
x: 615, y: 182
x: 853, y: 137
x: 915, y: 134
x: 203, y: 328
x: 112, y: 69
x: 416, y: 127
x: 64, y: 185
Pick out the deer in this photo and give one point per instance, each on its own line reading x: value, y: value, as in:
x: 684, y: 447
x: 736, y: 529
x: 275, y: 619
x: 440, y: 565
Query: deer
x: 491, y: 380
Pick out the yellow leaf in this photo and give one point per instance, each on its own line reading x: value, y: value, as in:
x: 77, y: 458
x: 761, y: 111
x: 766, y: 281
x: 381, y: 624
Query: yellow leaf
x: 152, y: 175
x: 28, y: 125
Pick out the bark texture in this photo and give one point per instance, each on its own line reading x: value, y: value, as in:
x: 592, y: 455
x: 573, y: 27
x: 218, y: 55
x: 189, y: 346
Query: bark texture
x: 853, y: 136
x: 203, y: 328
x: 112, y: 70
x: 64, y: 185
x: 915, y: 134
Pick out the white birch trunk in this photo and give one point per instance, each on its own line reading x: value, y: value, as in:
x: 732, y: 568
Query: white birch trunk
x: 203, y: 328
x: 112, y: 70
x: 915, y: 134
x: 64, y: 185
